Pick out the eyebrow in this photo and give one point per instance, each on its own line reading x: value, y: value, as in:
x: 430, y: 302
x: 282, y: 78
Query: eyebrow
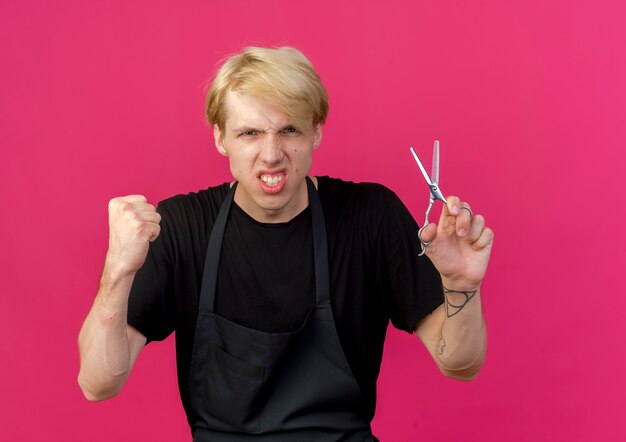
x: 240, y: 128
x: 252, y: 128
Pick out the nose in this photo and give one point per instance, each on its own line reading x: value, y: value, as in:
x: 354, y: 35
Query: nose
x: 271, y: 149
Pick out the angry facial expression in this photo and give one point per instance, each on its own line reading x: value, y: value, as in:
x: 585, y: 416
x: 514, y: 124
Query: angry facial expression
x: 269, y: 156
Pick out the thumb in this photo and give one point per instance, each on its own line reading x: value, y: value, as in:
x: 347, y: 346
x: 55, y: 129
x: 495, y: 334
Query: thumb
x: 428, y: 233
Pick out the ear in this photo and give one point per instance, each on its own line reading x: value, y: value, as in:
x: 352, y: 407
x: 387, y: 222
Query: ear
x: 219, y: 140
x: 317, y: 140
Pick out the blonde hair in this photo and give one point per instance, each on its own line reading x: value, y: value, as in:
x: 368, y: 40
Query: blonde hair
x: 282, y: 76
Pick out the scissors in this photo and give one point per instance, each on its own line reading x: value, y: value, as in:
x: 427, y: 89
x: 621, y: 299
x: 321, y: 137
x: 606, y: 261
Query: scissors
x: 435, y: 191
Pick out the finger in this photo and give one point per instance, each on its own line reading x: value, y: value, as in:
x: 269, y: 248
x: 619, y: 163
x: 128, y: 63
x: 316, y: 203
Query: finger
x: 127, y: 199
x: 141, y: 221
x: 149, y: 216
x: 138, y: 211
x: 452, y: 206
x: 485, y: 239
x: 463, y: 221
x: 147, y: 231
x: 124, y: 205
x: 142, y: 206
x: 153, y: 232
x: 428, y: 233
x: 476, y: 228
x: 134, y: 198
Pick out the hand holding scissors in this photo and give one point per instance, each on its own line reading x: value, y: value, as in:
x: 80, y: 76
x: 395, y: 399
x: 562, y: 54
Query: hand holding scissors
x: 463, y: 242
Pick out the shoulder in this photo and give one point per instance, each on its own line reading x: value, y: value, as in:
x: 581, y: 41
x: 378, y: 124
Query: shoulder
x: 194, y: 204
x: 337, y: 191
x: 355, y: 207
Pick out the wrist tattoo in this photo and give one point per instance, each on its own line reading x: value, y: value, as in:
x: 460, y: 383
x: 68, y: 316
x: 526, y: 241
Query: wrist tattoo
x: 442, y: 345
x: 453, y: 309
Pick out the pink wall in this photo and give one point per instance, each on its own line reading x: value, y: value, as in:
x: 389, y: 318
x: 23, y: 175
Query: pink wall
x: 99, y: 99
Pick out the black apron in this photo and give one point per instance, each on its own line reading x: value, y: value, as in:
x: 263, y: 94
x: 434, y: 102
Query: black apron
x: 248, y: 385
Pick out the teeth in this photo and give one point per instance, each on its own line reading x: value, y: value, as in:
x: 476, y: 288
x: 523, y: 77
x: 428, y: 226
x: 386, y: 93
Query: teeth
x: 271, y: 180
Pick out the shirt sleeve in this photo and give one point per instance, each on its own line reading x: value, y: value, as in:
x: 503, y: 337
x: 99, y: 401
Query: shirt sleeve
x: 151, y: 308
x: 411, y: 284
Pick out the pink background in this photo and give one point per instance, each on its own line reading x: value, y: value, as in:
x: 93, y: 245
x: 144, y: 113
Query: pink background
x: 99, y: 99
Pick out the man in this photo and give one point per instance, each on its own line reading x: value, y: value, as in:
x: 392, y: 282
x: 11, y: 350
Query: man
x: 280, y: 286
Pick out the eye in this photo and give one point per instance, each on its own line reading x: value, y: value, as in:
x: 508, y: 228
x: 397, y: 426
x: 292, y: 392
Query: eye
x: 248, y: 133
x: 289, y: 130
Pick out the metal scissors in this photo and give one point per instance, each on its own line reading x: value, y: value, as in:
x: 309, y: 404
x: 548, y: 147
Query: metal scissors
x: 435, y: 191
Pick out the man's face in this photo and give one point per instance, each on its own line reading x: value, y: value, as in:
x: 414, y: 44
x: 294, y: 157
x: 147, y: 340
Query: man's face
x: 268, y: 156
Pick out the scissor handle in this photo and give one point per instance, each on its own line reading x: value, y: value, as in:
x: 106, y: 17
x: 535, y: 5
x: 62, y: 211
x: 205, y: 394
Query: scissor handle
x: 423, y: 244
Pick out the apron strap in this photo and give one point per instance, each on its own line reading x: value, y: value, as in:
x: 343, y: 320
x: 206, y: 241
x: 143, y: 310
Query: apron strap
x: 213, y: 252
x: 320, y: 247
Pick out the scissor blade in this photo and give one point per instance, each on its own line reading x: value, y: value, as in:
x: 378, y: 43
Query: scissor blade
x: 435, y: 170
x: 419, y: 163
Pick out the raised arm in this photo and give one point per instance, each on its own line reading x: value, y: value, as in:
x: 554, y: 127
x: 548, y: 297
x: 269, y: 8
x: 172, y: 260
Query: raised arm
x: 108, y: 345
x: 455, y: 333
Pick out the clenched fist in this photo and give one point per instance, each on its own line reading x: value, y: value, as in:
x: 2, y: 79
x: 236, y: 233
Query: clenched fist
x: 133, y: 224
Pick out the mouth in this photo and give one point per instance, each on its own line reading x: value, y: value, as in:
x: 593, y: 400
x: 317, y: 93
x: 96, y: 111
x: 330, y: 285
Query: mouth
x: 272, y: 182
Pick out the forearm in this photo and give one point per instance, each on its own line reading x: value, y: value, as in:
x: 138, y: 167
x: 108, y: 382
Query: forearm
x: 103, y: 341
x: 459, y: 248
x: 462, y: 341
